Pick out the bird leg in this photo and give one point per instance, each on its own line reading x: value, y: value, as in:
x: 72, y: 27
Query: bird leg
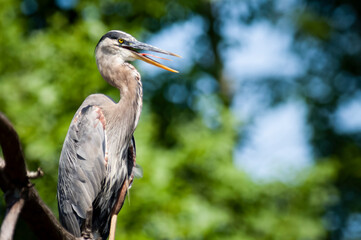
x: 121, y: 197
x: 87, y: 227
x: 118, y: 205
x: 113, y: 225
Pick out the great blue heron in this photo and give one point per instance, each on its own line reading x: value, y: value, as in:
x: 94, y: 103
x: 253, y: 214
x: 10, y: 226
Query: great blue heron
x: 97, y: 162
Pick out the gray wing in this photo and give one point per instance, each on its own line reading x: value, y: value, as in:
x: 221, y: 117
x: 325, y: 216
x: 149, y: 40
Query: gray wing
x: 81, y: 167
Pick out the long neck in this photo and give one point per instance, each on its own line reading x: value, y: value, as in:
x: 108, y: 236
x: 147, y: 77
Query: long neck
x: 126, y: 78
x: 131, y: 96
x: 121, y: 120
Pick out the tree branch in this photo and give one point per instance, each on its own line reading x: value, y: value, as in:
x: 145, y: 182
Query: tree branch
x: 15, y: 168
x: 14, y: 179
x: 9, y: 223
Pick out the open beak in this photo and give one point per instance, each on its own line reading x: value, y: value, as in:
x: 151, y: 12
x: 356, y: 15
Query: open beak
x: 133, y: 46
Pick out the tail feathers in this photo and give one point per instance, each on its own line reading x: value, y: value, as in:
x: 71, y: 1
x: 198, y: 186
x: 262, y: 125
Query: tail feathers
x: 138, y: 171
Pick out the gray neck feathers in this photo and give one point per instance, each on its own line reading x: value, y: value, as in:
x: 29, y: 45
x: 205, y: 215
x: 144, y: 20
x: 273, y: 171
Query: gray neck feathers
x: 126, y: 78
x: 122, y: 117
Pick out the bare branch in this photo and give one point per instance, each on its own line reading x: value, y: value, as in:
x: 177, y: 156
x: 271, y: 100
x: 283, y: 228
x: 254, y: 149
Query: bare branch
x: 41, y: 220
x: 15, y: 168
x: 4, y: 182
x: 9, y: 223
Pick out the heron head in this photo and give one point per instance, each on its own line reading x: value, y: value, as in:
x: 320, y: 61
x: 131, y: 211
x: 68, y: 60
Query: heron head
x: 127, y: 48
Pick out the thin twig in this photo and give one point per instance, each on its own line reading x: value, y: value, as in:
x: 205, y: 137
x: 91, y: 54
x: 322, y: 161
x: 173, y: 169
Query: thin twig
x: 34, y: 175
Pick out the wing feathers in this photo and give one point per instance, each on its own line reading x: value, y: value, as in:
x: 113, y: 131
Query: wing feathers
x: 81, y: 167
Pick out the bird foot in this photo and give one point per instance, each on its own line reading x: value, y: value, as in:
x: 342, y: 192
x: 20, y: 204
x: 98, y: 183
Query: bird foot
x: 87, y: 227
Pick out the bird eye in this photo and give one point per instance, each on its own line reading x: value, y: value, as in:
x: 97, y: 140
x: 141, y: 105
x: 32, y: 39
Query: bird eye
x: 121, y: 40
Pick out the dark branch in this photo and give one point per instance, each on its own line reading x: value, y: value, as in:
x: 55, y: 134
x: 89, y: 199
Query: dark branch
x: 15, y: 168
x: 14, y: 179
x: 41, y: 220
x: 4, y: 182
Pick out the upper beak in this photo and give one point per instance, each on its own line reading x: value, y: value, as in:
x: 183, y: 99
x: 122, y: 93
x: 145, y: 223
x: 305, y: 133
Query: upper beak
x: 142, y: 56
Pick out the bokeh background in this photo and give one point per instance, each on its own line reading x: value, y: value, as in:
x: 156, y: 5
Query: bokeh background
x: 257, y: 137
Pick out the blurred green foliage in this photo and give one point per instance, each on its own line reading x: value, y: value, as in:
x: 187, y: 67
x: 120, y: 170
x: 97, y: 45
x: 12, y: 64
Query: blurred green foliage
x: 191, y: 188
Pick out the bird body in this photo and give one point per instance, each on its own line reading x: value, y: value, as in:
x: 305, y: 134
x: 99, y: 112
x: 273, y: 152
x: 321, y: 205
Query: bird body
x: 97, y: 162
x: 101, y: 129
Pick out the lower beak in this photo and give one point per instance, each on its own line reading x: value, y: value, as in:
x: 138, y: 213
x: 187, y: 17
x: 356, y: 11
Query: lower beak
x: 136, y: 45
x: 153, y: 62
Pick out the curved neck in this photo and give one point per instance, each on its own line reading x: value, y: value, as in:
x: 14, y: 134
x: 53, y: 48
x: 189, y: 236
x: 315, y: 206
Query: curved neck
x: 126, y: 78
